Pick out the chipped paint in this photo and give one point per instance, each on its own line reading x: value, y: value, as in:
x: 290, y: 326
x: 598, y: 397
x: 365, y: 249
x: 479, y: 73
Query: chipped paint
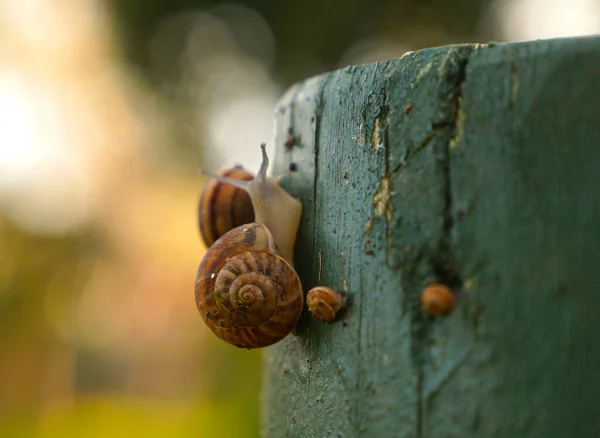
x: 376, y: 137
x: 382, y: 197
x: 408, y: 53
x: 379, y: 133
x: 359, y: 138
x: 422, y: 72
x: 461, y: 116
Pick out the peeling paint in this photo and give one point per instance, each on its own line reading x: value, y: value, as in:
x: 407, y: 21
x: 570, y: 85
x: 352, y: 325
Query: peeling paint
x: 461, y: 116
x: 359, y: 138
x: 422, y: 72
x: 379, y: 133
x: 376, y: 140
x: 382, y: 197
x: 408, y: 53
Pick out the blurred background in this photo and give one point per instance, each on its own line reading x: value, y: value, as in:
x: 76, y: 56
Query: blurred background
x: 108, y: 108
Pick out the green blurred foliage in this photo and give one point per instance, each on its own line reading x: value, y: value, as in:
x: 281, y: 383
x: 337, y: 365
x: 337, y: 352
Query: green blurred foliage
x: 122, y: 417
x: 312, y: 34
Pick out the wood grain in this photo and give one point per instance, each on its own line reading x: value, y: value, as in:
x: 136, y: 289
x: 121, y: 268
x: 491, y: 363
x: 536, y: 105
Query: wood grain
x: 476, y: 166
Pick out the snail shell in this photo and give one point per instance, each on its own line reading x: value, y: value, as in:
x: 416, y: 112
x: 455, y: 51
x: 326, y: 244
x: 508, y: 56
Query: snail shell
x: 246, y: 292
x: 222, y: 207
x: 324, y: 303
x: 437, y: 299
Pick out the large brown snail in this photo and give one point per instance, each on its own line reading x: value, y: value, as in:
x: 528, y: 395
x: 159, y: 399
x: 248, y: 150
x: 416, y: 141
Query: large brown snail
x: 247, y: 290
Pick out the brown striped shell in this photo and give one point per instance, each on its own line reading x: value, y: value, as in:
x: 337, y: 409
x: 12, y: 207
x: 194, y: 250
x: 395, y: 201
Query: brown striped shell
x: 222, y: 207
x: 324, y: 303
x: 247, y: 294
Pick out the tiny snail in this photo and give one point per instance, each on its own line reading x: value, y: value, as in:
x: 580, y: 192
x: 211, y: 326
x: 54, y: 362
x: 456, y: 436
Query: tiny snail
x: 222, y: 206
x: 324, y: 303
x: 247, y: 290
x: 437, y: 299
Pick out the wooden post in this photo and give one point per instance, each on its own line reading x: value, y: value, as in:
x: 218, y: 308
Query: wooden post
x: 477, y: 166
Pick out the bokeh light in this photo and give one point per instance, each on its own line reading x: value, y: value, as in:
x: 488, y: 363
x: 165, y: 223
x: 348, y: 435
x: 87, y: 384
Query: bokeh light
x: 108, y: 109
x: 519, y: 20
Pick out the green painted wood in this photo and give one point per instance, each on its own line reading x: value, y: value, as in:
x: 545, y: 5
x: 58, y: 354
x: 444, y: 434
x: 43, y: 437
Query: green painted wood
x: 476, y: 166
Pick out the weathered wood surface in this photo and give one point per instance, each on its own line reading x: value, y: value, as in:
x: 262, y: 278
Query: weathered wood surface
x: 476, y: 166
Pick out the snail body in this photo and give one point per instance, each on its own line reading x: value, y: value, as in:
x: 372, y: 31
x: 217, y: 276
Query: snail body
x: 223, y: 207
x: 247, y: 290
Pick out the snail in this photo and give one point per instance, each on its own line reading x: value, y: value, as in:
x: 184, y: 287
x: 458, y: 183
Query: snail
x: 324, y: 303
x: 437, y: 299
x: 247, y: 290
x: 222, y: 206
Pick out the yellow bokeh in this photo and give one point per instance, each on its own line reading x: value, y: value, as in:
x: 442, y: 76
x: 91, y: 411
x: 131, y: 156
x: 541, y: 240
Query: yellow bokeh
x: 100, y: 334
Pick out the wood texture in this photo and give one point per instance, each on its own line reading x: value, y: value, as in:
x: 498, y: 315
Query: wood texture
x: 474, y: 166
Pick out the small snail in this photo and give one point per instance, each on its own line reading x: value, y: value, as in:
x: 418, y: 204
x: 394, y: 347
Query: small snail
x: 247, y: 290
x: 222, y: 206
x: 324, y: 303
x: 437, y: 299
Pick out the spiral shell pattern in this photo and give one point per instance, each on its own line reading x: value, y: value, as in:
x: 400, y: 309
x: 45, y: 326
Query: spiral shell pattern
x: 247, y: 294
x: 324, y: 303
x: 222, y: 207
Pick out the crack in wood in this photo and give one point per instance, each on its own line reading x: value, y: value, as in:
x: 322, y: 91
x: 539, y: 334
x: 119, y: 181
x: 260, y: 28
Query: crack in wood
x: 453, y: 70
